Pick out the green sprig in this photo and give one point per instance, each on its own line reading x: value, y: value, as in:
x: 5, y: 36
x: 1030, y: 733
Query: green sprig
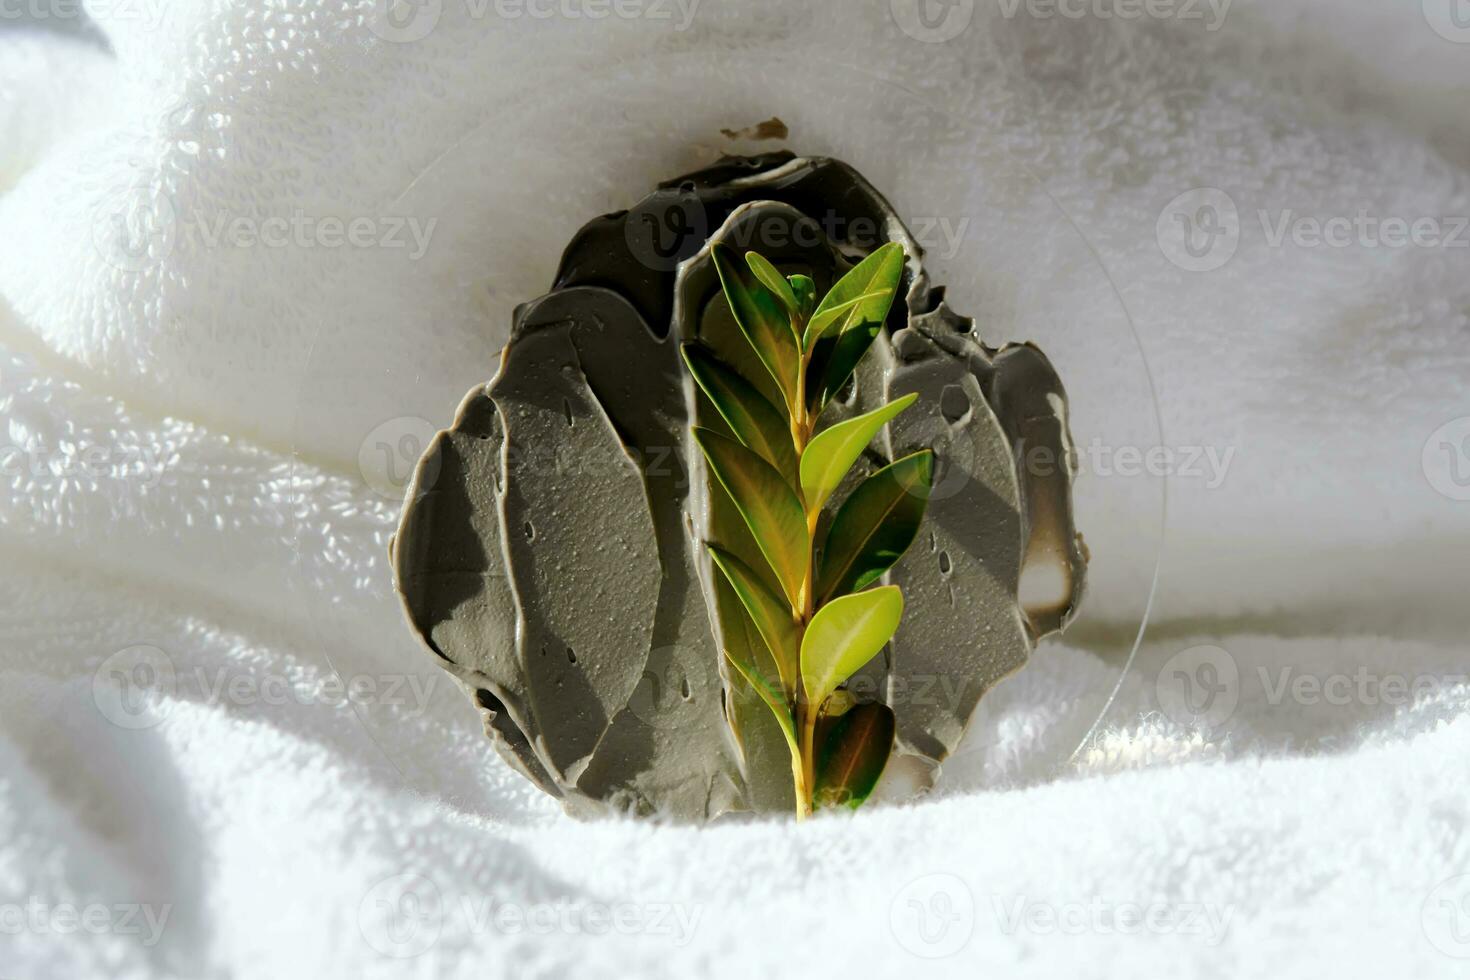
x: 818, y: 617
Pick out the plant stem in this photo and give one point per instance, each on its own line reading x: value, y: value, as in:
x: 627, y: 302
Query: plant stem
x: 803, y: 794
x: 803, y: 762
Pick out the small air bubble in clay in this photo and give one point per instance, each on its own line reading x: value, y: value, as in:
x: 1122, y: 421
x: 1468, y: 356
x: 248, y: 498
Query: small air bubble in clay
x: 944, y: 563
x: 684, y: 688
x: 567, y: 407
x: 954, y: 403
x: 571, y: 655
x: 530, y: 531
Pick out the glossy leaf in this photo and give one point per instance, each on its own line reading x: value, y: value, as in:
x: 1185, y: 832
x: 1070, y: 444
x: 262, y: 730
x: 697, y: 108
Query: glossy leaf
x: 767, y: 692
x: 770, y: 615
x: 829, y: 456
x: 771, y: 278
x: 844, y: 635
x: 833, y: 361
x: 757, y: 423
x: 766, y: 503
x: 806, y: 295
x: 821, y: 321
x: 761, y: 318
x: 875, y: 280
x: 854, y: 755
x: 875, y: 526
x: 740, y: 640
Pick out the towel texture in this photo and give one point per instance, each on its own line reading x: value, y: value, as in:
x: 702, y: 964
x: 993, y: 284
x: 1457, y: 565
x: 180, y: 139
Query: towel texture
x: 254, y: 256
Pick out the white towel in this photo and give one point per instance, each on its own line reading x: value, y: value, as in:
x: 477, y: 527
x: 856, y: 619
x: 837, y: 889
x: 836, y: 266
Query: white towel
x: 201, y: 441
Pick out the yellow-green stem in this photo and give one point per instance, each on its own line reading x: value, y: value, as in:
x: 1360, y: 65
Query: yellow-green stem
x: 803, y: 795
x: 803, y: 761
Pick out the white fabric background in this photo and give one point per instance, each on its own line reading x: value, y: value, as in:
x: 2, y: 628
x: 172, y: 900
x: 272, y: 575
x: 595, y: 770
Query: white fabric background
x: 189, y: 472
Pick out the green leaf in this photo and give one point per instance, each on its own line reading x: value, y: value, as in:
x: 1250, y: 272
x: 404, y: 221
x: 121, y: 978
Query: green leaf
x: 829, y: 456
x: 844, y: 635
x: 767, y: 504
x: 768, y: 693
x: 821, y: 321
x: 754, y: 420
x: 765, y: 324
x: 874, y: 280
x: 771, y: 616
x: 854, y: 754
x: 806, y: 294
x: 834, y: 359
x: 772, y: 279
x: 875, y: 525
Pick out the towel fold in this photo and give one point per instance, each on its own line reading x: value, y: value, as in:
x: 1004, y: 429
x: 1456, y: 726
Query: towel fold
x: 255, y: 256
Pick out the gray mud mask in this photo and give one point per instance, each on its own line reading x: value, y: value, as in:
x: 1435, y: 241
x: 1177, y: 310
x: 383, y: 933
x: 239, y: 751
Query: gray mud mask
x: 550, y: 551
